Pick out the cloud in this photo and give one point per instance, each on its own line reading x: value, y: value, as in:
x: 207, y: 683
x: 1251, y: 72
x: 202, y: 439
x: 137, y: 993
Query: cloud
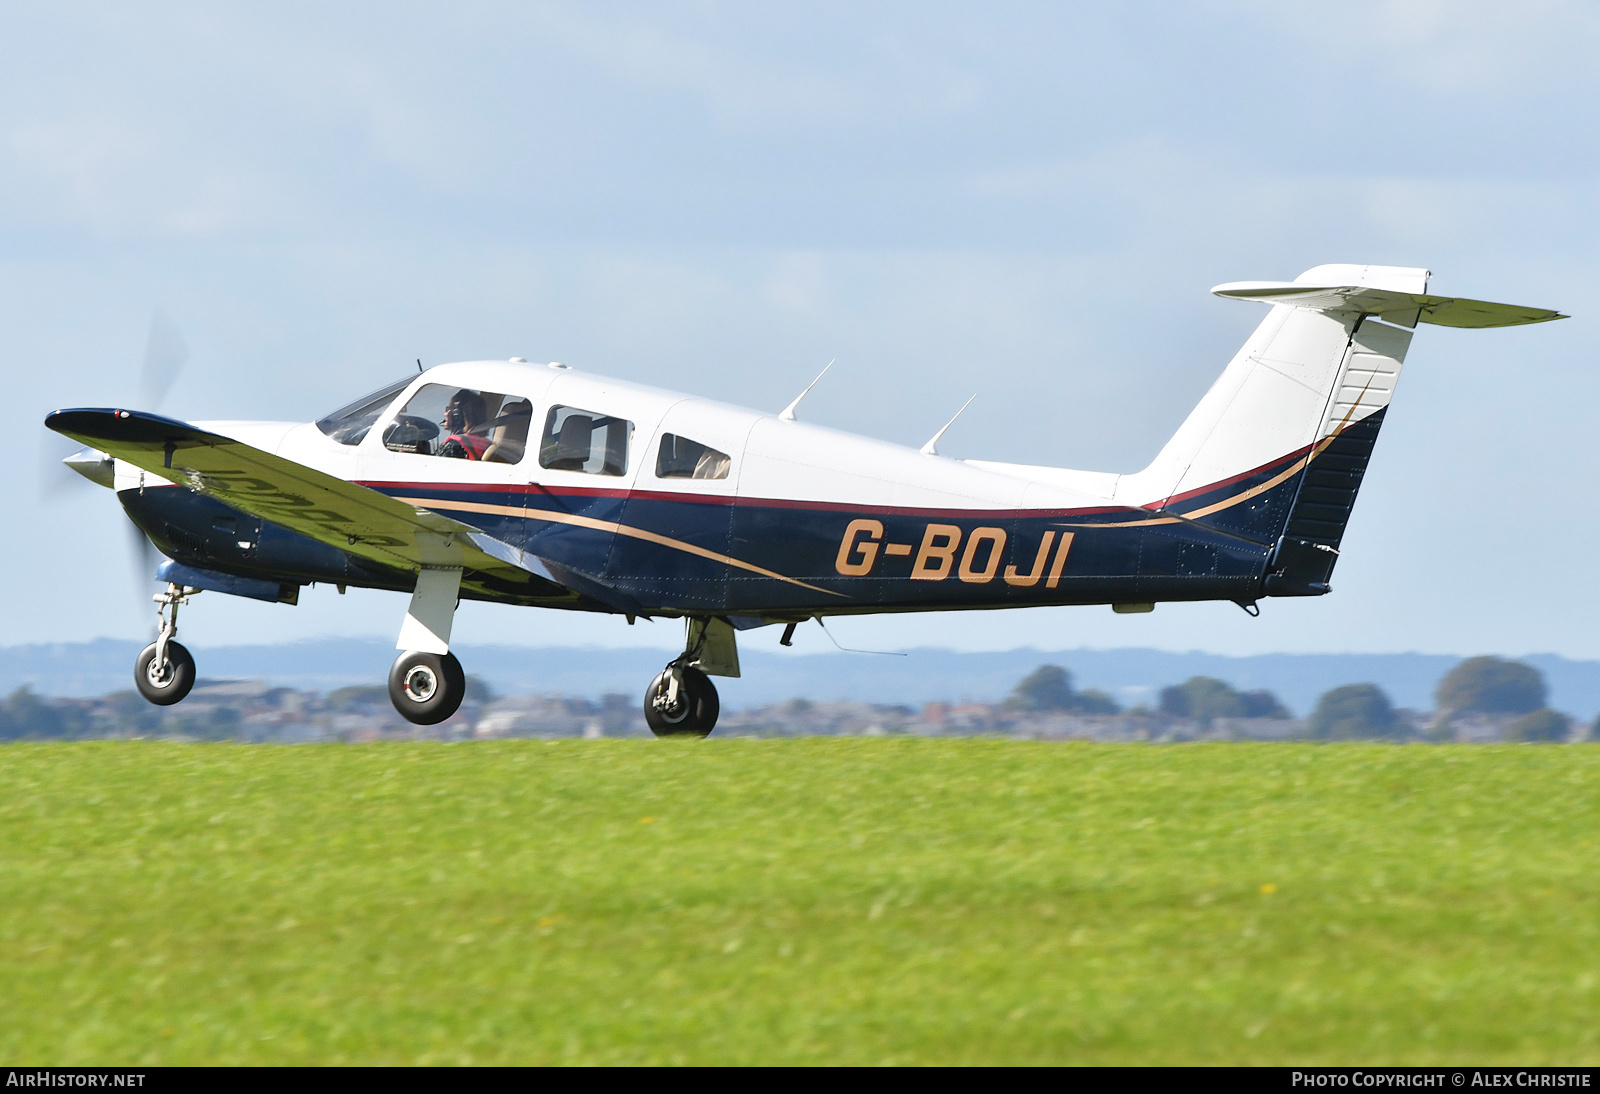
x: 1450, y: 47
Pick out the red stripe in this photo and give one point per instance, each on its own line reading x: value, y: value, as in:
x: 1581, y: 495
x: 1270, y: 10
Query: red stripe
x: 1262, y: 470
x: 769, y: 503
x: 832, y: 506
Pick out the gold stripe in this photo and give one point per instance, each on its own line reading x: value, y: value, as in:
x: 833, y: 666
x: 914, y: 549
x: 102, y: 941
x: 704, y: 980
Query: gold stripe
x: 608, y: 526
x: 728, y: 560
x: 1313, y: 454
x: 1122, y: 524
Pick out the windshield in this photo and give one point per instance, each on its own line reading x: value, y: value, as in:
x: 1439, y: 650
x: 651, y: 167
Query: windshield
x: 349, y: 424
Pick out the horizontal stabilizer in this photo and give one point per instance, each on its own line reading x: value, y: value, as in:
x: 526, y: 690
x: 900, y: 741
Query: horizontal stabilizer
x: 1402, y: 307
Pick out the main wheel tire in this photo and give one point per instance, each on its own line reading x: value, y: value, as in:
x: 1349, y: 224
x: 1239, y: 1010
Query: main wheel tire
x: 696, y: 712
x: 426, y: 688
x: 168, y: 682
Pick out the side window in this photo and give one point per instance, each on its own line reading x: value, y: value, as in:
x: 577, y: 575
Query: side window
x: 681, y: 458
x: 461, y: 423
x: 581, y: 440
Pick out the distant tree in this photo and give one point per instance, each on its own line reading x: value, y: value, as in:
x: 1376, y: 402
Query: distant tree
x: 1095, y: 701
x: 131, y: 712
x: 1205, y: 698
x: 1262, y: 704
x: 478, y: 690
x: 1351, y: 713
x: 1202, y: 697
x: 1492, y: 685
x: 1540, y: 725
x: 358, y: 695
x: 1048, y: 687
x: 24, y: 714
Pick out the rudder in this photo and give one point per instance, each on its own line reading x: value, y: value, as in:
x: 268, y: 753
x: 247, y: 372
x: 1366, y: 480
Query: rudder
x: 1308, y: 388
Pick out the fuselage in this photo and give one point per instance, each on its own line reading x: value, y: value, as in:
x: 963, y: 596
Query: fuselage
x: 688, y: 506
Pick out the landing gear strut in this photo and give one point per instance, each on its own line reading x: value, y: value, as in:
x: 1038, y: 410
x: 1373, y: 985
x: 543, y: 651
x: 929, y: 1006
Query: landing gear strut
x: 164, y: 670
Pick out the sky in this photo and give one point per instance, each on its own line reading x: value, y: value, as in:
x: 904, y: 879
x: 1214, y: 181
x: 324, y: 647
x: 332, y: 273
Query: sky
x: 1026, y: 201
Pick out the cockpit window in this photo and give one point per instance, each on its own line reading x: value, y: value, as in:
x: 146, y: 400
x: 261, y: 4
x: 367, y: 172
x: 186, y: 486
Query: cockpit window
x: 349, y: 424
x: 461, y: 423
x: 581, y: 440
x: 681, y: 458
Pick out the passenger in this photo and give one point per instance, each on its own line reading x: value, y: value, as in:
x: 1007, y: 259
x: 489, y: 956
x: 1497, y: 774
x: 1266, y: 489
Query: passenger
x: 508, y: 434
x: 464, y: 418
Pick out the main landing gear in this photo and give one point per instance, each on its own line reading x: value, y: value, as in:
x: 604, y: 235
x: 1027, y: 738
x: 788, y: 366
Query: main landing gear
x: 681, y: 701
x: 164, y: 670
x: 426, y: 683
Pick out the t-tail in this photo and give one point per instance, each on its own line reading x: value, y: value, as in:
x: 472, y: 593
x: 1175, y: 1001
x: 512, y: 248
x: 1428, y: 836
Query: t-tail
x: 1276, y: 450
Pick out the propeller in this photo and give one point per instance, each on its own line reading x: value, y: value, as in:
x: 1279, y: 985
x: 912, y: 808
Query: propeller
x: 164, y: 355
x: 65, y: 467
x: 142, y: 554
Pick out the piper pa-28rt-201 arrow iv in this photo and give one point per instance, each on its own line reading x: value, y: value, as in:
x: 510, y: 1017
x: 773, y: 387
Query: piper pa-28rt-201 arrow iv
x: 547, y: 487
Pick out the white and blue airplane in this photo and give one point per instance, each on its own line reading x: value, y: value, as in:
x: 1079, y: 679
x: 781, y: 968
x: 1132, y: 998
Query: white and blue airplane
x: 549, y: 487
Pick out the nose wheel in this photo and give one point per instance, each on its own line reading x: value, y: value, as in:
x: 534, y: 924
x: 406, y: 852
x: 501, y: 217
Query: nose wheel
x: 164, y: 670
x: 426, y: 688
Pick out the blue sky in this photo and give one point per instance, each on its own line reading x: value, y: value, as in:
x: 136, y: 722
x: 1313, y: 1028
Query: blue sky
x: 1024, y: 200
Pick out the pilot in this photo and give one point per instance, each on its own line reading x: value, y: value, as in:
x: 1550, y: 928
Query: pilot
x: 464, y: 417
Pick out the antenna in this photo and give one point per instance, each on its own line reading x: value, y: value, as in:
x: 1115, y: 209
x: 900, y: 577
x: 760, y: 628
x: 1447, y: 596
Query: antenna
x: 788, y: 411
x: 848, y: 649
x: 929, y: 449
x: 419, y: 364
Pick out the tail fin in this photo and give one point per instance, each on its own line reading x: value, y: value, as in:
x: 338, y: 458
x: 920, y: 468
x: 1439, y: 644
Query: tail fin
x: 1276, y: 450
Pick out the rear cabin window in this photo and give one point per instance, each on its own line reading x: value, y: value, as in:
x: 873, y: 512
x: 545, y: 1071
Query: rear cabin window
x: 351, y: 423
x: 581, y: 440
x: 462, y: 424
x: 681, y: 458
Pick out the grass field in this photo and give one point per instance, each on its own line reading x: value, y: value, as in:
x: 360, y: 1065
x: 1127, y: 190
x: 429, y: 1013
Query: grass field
x: 849, y: 900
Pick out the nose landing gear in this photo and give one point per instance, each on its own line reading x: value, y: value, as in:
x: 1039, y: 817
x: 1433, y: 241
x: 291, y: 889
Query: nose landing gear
x: 164, y: 670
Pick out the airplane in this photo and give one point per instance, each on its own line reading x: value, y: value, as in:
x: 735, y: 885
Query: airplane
x: 545, y: 486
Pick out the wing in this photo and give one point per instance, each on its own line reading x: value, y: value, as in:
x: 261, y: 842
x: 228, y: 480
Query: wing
x: 326, y: 508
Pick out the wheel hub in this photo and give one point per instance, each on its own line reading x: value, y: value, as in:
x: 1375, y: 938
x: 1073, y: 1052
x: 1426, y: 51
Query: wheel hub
x: 669, y: 710
x: 420, y: 684
x: 159, y: 673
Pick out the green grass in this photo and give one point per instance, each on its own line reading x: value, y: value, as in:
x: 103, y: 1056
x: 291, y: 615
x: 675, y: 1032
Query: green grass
x: 814, y: 900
